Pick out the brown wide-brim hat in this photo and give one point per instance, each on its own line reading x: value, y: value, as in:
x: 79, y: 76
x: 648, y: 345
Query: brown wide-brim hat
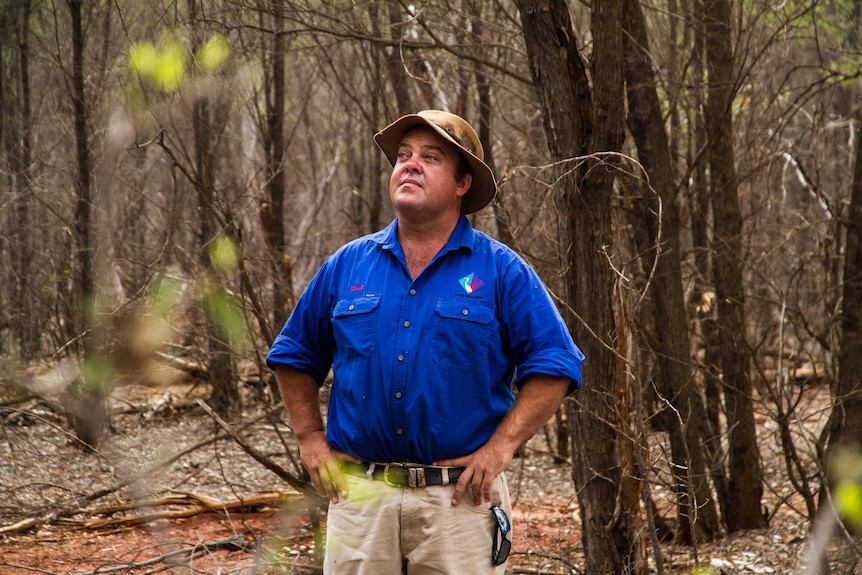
x: 454, y: 129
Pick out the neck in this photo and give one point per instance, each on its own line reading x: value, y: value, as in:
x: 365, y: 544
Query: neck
x: 422, y: 242
x: 424, y: 230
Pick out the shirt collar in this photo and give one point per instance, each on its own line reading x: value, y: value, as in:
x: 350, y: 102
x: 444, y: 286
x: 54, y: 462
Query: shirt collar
x: 463, y: 236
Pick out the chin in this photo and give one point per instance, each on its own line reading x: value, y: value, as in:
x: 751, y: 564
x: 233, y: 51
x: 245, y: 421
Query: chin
x: 407, y: 202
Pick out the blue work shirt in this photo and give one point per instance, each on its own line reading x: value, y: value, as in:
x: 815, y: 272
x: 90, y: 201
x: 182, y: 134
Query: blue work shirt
x: 423, y: 369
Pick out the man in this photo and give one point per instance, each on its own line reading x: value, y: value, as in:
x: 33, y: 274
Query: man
x: 426, y: 325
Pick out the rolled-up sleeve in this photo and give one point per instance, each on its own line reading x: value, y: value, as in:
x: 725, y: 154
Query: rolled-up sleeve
x: 306, y: 341
x: 538, y: 336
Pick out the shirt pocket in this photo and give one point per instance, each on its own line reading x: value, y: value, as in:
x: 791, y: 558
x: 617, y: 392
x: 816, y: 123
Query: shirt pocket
x: 462, y: 332
x: 354, y: 323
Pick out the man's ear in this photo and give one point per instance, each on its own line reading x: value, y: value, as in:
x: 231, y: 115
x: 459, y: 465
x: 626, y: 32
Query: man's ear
x: 464, y: 184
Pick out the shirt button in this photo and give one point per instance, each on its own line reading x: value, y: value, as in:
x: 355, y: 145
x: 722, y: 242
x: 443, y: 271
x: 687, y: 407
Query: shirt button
x: 399, y: 431
x: 412, y: 291
x: 464, y: 312
x: 398, y: 395
x: 400, y: 358
x: 352, y: 307
x: 406, y: 324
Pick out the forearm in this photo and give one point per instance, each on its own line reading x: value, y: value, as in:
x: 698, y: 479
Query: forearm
x: 300, y: 394
x: 537, y: 401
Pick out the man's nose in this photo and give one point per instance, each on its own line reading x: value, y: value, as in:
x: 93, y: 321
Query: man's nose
x: 411, y: 166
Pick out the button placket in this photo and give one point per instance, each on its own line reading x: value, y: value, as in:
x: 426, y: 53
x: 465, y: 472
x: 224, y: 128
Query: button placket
x: 403, y: 341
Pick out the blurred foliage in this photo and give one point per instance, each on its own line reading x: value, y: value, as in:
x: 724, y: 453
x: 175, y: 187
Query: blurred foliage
x: 229, y: 315
x: 163, y: 65
x: 212, y: 55
x: 846, y: 471
x: 224, y: 254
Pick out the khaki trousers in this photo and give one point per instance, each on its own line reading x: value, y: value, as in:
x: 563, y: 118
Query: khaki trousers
x: 383, y: 530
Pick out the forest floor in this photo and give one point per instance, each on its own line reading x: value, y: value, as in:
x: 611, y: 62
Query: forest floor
x: 169, y: 491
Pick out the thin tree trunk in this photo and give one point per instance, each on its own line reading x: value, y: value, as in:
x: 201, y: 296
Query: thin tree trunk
x: 745, y: 487
x: 372, y: 175
x: 597, y: 190
x: 224, y: 393
x: 483, y: 91
x: 83, y: 230
x: 24, y: 323
x: 395, y: 63
x: 577, y: 122
x: 282, y: 284
x: 846, y: 425
x: 696, y: 510
x: 16, y: 138
x: 704, y: 292
x: 87, y: 410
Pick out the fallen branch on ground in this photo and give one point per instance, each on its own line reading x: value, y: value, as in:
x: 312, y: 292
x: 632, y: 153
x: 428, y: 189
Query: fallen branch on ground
x: 35, y: 522
x: 233, y: 543
x: 196, y: 505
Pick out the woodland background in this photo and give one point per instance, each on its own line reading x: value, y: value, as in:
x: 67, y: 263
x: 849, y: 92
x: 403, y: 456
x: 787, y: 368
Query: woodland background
x: 684, y: 176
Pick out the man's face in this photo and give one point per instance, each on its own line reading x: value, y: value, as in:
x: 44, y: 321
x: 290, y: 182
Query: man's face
x: 423, y: 181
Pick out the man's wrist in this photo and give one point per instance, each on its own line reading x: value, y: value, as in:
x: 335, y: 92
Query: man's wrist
x: 309, y: 435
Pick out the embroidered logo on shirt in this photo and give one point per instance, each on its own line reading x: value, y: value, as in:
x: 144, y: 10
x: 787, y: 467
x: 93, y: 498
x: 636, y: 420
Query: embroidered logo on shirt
x: 357, y: 288
x: 471, y: 283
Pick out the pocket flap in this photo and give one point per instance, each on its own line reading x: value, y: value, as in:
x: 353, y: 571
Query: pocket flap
x: 465, y: 310
x: 356, y: 306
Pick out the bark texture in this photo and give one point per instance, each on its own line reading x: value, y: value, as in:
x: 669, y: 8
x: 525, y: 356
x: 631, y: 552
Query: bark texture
x: 745, y: 484
x: 696, y: 510
x: 580, y: 119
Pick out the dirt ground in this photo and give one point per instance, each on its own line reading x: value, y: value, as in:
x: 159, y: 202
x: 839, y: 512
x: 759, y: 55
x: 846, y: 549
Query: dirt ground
x: 169, y: 492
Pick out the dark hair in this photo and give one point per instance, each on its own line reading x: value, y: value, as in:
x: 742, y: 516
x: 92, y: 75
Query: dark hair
x: 463, y: 167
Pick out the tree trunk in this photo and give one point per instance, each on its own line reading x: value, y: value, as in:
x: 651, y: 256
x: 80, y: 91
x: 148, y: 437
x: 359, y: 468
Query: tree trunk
x: 274, y: 152
x: 597, y: 190
x: 745, y: 486
x: 483, y: 91
x: 395, y: 64
x: 83, y: 230
x: 577, y: 122
x: 16, y: 138
x: 846, y: 425
x: 704, y: 292
x: 224, y: 392
x: 696, y: 510
x: 87, y: 409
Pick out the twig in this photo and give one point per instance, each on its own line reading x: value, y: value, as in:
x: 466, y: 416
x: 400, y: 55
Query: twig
x: 26, y: 568
x: 232, y: 543
x: 292, y: 479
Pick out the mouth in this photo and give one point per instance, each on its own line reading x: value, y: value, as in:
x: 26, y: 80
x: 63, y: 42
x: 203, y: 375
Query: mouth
x: 409, y: 182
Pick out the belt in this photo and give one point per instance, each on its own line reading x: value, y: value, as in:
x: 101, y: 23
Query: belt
x: 403, y: 475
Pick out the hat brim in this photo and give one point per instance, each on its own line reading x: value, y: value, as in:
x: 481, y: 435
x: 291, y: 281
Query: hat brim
x: 484, y: 186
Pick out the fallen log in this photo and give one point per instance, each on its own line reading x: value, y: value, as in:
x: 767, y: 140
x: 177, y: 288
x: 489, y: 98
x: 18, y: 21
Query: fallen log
x: 194, y: 504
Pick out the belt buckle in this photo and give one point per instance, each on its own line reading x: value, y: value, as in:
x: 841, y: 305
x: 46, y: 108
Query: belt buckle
x: 386, y: 479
